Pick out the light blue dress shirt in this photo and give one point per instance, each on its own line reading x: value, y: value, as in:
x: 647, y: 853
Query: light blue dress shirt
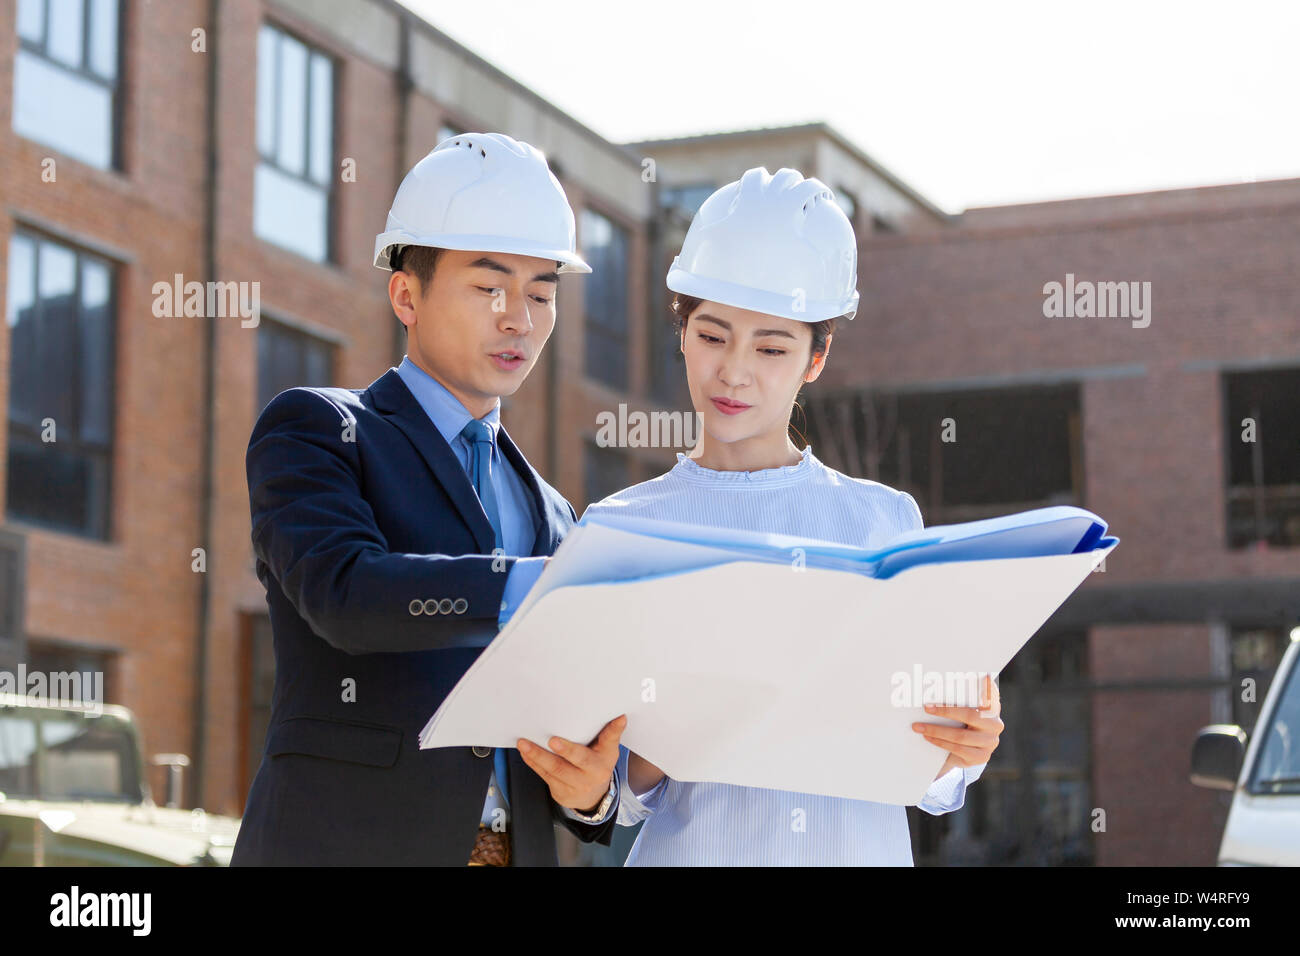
x: 519, y: 517
x: 713, y: 824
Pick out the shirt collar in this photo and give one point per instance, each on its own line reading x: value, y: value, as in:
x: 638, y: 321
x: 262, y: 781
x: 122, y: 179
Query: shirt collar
x: 444, y: 409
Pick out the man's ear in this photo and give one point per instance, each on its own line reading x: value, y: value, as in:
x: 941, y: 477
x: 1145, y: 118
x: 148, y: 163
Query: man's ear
x: 403, y: 292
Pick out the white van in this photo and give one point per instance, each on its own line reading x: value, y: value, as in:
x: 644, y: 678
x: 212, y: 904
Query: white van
x: 1263, y: 826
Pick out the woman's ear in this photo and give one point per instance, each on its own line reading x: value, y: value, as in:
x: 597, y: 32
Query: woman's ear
x: 819, y: 362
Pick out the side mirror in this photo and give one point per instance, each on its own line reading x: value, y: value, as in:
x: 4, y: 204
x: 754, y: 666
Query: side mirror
x: 175, y: 764
x: 1217, y: 756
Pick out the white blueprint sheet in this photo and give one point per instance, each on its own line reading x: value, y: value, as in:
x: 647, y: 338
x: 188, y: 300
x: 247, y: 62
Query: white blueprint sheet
x: 749, y: 673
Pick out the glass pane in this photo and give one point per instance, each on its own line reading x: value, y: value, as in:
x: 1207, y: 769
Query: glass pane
x: 266, y: 39
x: 845, y: 202
x: 55, y: 359
x: 96, y: 353
x: 17, y: 753
x: 316, y: 363
x: 21, y: 293
x: 293, y: 105
x: 64, y: 42
x: 62, y: 110
x: 31, y: 20
x: 290, y: 213
x: 322, y: 113
x: 87, y: 758
x: 103, y: 37
x: 34, y: 468
x: 21, y: 316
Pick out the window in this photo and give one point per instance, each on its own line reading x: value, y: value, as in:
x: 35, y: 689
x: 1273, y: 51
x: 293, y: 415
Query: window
x: 13, y: 592
x: 1255, y: 654
x: 882, y: 225
x: 1263, y: 420
x: 295, y: 145
x: 606, y: 471
x: 96, y: 668
x: 65, y: 77
x: 685, y: 201
x: 850, y: 205
x: 287, y: 358
x: 60, y: 313
x: 605, y: 247
x: 964, y: 455
x: 667, y: 369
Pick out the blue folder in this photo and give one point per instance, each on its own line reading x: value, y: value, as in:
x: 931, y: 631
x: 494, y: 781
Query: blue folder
x: 1040, y: 532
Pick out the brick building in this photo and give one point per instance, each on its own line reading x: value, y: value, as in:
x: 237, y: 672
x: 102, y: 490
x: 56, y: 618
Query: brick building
x: 261, y: 141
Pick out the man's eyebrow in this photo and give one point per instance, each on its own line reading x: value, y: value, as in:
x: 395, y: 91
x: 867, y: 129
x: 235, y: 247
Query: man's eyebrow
x: 486, y: 262
x: 705, y: 317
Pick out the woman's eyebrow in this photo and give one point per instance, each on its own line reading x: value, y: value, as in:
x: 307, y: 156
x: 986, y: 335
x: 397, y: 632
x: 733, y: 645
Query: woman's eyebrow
x: 705, y: 317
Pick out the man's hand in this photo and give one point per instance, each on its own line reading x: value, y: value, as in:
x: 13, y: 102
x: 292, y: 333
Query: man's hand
x: 578, y: 776
x: 973, y: 744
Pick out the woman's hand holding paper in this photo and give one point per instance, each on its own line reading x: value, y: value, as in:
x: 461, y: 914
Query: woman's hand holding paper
x: 973, y: 744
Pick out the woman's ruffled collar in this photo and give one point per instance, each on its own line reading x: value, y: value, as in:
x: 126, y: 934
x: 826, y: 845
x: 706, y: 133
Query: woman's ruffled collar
x: 687, y: 469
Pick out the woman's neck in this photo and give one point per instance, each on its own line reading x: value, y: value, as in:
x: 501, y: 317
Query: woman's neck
x: 750, y: 454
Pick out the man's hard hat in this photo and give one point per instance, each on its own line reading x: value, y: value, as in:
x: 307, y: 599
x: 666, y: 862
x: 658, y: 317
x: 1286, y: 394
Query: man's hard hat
x: 482, y: 191
x: 774, y: 244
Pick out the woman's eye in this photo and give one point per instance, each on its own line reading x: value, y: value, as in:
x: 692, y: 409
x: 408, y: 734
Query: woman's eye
x: 774, y: 351
x: 710, y: 338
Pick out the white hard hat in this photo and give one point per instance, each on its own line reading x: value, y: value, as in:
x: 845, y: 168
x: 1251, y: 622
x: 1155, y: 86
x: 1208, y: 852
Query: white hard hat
x: 774, y: 244
x: 482, y: 191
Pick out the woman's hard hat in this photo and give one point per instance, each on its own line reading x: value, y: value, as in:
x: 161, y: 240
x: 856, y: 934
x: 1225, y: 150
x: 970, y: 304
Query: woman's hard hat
x: 774, y: 244
x: 482, y: 191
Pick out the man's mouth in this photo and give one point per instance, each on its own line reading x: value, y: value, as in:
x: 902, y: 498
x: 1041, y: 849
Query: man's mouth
x: 508, y: 359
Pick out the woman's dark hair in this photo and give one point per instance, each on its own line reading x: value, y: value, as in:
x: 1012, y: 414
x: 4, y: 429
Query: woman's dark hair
x: 683, y: 305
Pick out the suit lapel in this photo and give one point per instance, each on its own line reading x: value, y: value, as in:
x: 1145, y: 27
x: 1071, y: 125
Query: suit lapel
x: 548, y: 536
x: 395, y: 402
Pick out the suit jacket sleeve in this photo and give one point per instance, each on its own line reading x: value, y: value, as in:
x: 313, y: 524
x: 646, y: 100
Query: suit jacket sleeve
x: 318, y: 536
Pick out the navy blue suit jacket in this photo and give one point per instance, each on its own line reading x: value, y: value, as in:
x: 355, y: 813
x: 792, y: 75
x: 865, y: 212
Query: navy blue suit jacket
x: 359, y: 509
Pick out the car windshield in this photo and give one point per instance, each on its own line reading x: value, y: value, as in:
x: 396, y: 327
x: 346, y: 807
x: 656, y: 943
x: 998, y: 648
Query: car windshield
x: 60, y: 755
x: 1278, y: 767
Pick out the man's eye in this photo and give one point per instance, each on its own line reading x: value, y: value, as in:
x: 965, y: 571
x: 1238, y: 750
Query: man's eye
x: 774, y: 351
x: 710, y: 338
x: 541, y: 299
x: 486, y: 289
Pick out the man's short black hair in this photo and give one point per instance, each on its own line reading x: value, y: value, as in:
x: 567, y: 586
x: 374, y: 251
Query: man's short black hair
x: 418, y: 261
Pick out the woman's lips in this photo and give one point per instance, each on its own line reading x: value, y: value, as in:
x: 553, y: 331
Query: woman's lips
x: 722, y: 406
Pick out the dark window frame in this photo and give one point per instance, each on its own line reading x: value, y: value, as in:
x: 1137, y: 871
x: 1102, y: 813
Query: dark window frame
x: 287, y: 331
x: 1268, y: 512
x: 100, y: 523
x: 618, y: 339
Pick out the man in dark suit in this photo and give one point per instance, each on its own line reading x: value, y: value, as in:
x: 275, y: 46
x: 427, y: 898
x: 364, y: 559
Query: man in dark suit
x: 397, y: 527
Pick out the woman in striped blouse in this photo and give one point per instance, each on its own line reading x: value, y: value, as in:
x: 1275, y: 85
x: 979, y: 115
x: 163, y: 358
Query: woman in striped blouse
x: 768, y: 264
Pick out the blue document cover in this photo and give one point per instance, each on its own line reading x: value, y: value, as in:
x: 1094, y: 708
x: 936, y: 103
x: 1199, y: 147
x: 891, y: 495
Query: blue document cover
x: 1040, y: 532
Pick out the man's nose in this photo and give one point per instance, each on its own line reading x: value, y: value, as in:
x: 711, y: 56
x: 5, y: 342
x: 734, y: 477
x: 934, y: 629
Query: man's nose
x: 517, y: 317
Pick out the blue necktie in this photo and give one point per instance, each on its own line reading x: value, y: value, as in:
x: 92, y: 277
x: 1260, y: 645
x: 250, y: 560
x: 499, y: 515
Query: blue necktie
x: 478, y: 435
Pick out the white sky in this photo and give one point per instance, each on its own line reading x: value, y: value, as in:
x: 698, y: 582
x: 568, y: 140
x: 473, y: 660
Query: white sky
x: 971, y: 103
